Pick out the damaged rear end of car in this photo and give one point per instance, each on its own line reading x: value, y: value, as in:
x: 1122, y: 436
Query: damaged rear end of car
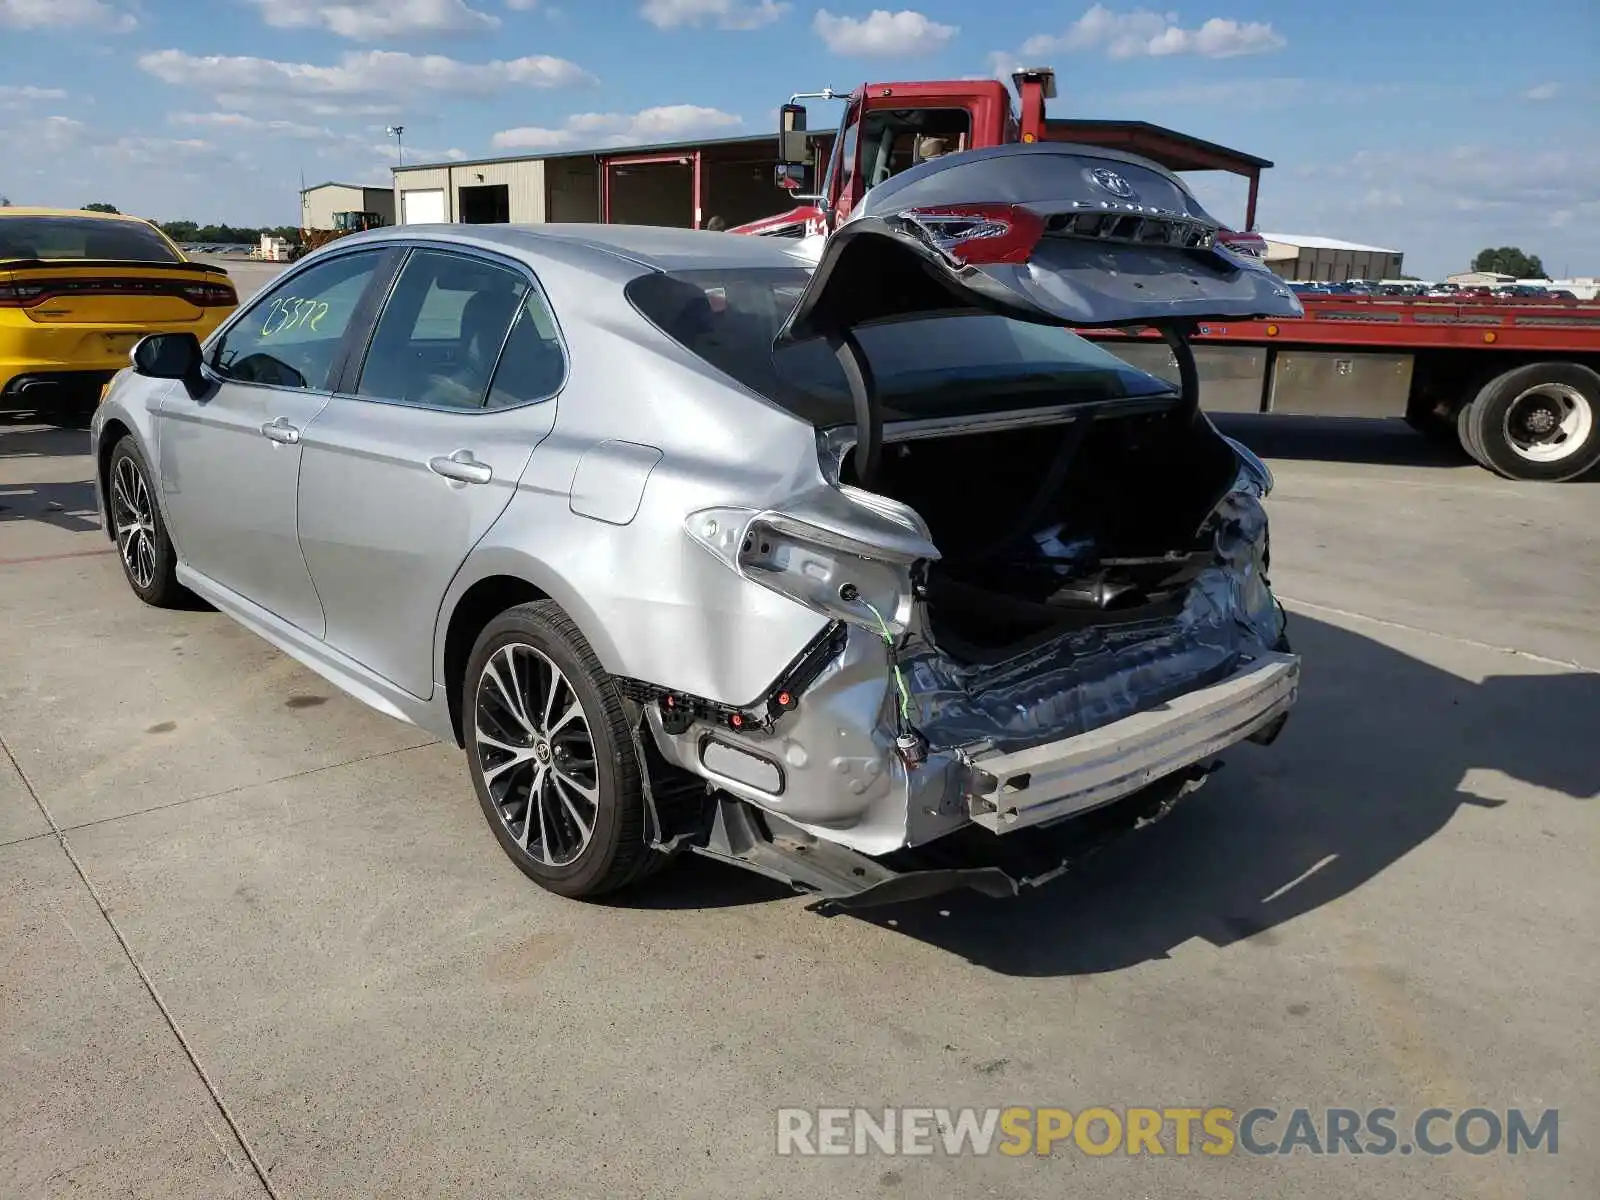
x: 1044, y: 574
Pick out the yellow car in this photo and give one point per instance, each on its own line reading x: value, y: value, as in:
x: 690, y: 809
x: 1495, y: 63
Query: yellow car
x: 77, y: 290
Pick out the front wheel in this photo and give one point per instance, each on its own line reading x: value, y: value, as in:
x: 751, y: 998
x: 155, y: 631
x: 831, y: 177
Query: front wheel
x: 149, y: 563
x: 1538, y: 422
x: 551, y: 754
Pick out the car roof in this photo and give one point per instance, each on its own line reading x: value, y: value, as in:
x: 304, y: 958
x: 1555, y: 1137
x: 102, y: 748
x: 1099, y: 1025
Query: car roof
x: 13, y: 210
x: 652, y: 246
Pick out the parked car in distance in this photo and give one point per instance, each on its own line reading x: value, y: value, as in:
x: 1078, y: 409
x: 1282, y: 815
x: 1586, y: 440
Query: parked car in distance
x: 690, y: 544
x: 77, y: 290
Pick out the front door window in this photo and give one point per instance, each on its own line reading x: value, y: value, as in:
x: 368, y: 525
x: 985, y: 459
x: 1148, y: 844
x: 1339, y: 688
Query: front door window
x: 290, y: 336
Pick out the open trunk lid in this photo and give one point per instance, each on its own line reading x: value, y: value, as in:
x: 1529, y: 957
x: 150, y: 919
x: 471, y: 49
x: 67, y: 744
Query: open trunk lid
x: 1051, y: 233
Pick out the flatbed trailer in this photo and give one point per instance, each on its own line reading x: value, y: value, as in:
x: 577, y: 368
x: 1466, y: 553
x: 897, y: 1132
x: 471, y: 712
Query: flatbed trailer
x: 1515, y: 381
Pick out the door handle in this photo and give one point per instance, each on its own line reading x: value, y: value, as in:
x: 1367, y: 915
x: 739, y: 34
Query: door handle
x: 281, y: 431
x: 462, y: 467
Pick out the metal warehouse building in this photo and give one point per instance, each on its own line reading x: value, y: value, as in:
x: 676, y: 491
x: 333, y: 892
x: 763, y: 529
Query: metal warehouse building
x: 1326, y: 260
x: 685, y: 184
x: 319, y: 202
x: 678, y: 183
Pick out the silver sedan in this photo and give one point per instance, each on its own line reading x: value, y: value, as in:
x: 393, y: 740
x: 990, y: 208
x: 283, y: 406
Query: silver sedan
x: 693, y: 544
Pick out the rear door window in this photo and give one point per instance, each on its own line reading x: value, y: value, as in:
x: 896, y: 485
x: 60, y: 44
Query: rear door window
x: 532, y: 366
x: 290, y: 336
x: 443, y: 331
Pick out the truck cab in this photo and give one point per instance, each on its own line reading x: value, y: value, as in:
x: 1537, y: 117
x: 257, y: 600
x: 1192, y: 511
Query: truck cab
x: 888, y: 127
x: 885, y: 128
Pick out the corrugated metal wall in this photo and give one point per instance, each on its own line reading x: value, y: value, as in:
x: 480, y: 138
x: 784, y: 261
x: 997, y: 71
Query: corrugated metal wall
x: 523, y: 180
x: 429, y: 180
x: 574, y: 189
x: 1336, y: 266
x: 380, y: 201
x: 319, y: 205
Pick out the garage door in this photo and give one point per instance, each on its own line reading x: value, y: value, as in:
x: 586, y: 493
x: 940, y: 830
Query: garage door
x: 422, y: 208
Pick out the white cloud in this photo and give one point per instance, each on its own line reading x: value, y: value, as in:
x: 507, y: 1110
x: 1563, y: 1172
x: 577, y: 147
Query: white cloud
x: 1545, y: 91
x: 881, y: 33
x: 144, y: 151
x: 364, y: 75
x: 65, y: 14
x: 666, y: 123
x: 1143, y: 33
x: 242, y: 123
x: 373, y: 20
x: 724, y: 14
x: 22, y: 95
x: 390, y: 153
x: 1442, y: 206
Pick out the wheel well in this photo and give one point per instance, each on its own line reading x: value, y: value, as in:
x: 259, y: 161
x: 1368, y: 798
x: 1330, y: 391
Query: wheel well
x: 479, y: 604
x: 1442, y: 381
x: 113, y: 432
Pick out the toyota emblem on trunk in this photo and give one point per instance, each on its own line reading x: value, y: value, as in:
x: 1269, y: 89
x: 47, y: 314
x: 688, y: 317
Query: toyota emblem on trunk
x: 1103, y: 177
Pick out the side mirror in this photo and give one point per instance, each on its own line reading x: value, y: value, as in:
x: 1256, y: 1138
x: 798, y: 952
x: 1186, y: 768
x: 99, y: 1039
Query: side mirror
x: 791, y: 177
x: 793, y: 147
x: 167, y: 356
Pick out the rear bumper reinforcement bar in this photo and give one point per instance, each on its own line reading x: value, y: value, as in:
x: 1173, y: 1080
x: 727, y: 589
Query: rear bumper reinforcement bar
x: 1061, y: 779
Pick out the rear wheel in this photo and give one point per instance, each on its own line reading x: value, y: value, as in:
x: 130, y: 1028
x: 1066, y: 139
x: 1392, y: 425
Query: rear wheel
x: 149, y: 563
x: 552, y: 756
x: 1538, y: 422
x: 1464, y: 422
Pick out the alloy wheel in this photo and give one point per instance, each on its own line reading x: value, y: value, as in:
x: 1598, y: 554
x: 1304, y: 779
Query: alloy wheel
x: 133, y: 520
x: 537, y: 754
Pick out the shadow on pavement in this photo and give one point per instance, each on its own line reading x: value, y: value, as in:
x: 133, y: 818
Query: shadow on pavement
x: 37, y: 441
x: 1370, y: 766
x: 68, y: 506
x: 1341, y: 439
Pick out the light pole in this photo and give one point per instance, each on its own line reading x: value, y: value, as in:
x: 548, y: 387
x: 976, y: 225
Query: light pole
x: 395, y: 131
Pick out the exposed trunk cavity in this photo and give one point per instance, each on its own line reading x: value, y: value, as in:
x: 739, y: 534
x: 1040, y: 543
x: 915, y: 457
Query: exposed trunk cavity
x: 1055, y: 528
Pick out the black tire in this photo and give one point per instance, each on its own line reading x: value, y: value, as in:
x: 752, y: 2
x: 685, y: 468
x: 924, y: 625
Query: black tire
x: 1464, y: 435
x: 538, y: 635
x: 1512, y: 401
x: 149, y: 563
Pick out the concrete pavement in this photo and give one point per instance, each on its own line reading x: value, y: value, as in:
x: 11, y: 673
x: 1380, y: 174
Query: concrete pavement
x: 259, y: 941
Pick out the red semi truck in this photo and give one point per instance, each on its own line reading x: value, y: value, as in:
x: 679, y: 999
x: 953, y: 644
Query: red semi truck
x: 1517, y: 382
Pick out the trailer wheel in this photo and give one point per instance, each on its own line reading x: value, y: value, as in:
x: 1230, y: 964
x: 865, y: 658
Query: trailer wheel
x: 1464, y: 423
x: 1539, y: 422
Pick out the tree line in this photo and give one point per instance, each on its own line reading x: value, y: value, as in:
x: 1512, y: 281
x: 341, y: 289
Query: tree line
x: 189, y: 231
x: 1509, y: 260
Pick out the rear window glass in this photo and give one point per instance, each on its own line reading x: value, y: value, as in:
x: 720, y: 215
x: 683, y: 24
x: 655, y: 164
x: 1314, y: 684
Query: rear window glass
x: 83, y: 237
x: 932, y: 365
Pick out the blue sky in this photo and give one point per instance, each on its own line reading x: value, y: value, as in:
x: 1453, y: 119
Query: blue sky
x: 1433, y: 126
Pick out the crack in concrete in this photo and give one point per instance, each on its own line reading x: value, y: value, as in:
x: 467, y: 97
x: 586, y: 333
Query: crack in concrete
x: 144, y: 978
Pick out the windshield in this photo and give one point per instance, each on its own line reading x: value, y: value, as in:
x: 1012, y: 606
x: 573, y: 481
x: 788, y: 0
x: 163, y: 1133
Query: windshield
x: 91, y: 238
x: 931, y: 365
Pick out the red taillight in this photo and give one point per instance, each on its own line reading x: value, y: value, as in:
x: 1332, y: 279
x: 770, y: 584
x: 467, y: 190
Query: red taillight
x: 21, y: 295
x: 210, y: 295
x: 1251, y: 245
x: 978, y: 234
x: 37, y: 291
